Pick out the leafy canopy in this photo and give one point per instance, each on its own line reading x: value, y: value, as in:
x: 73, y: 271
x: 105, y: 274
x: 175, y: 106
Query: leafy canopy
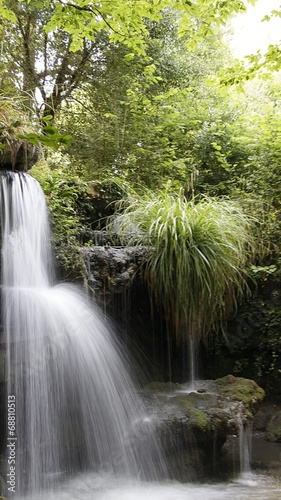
x: 125, y: 21
x: 55, y: 44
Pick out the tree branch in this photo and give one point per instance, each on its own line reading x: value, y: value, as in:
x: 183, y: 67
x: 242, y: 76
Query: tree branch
x: 28, y: 65
x: 91, y: 11
x: 59, y: 93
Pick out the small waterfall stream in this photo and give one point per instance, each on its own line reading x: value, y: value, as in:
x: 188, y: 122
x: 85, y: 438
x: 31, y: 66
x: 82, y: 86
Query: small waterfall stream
x: 193, y: 362
x: 245, y: 443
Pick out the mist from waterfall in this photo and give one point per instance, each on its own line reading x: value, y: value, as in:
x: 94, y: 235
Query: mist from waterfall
x: 76, y: 406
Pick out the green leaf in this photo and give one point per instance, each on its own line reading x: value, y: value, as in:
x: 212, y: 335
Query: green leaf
x: 7, y: 13
x: 110, y: 115
x: 47, y: 118
x: 28, y: 137
x: 50, y: 130
x: 216, y: 146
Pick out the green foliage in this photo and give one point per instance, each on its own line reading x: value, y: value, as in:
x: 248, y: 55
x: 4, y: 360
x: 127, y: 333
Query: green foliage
x: 13, y: 117
x: 71, y: 38
x: 16, y: 124
x: 256, y: 177
x: 252, y: 346
x: 260, y: 356
x: 196, y: 267
x: 136, y: 86
x: 263, y: 271
x: 151, y: 126
x: 69, y: 205
x: 126, y: 21
x: 6, y: 13
x: 49, y: 137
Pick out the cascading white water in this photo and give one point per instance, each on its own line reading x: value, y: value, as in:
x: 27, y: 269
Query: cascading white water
x: 245, y: 442
x: 76, y: 407
x: 193, y: 375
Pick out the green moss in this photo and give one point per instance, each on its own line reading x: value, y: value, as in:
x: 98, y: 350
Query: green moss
x: 199, y: 419
x: 196, y: 400
x: 184, y: 402
x: 240, y: 389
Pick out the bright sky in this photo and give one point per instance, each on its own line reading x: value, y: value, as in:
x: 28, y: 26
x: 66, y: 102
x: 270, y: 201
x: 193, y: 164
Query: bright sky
x: 250, y: 34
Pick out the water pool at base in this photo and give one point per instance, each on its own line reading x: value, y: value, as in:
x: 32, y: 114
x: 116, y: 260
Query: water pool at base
x: 97, y: 487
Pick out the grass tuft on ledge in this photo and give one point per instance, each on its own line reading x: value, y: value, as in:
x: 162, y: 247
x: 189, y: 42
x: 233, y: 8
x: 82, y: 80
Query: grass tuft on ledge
x: 197, y: 268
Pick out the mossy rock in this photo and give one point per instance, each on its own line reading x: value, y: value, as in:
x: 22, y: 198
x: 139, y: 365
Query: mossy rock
x: 199, y: 400
x: 273, y: 429
x: 184, y: 402
x: 199, y: 420
x: 217, y: 411
x: 240, y: 389
x: 186, y: 421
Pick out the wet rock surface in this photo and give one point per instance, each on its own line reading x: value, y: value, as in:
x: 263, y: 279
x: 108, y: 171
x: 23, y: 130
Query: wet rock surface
x: 266, y: 453
x: 112, y: 268
x: 194, y: 424
x: 216, y: 405
x: 268, y: 421
x: 18, y: 155
x: 273, y: 428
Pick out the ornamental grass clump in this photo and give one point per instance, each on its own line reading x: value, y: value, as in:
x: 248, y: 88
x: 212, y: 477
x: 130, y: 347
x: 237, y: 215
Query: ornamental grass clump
x: 196, y: 266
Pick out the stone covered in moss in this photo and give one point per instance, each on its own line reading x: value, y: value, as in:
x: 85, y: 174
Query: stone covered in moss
x: 241, y: 389
x: 219, y: 406
x: 203, y: 419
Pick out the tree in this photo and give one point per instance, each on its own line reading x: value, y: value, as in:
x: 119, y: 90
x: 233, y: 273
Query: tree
x: 258, y: 178
x: 52, y: 43
x: 149, y: 123
x: 42, y: 64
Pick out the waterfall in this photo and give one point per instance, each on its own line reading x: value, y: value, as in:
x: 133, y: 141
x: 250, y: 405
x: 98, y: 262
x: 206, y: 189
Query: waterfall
x: 71, y: 403
x: 193, y: 375
x: 245, y: 441
x: 241, y: 448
